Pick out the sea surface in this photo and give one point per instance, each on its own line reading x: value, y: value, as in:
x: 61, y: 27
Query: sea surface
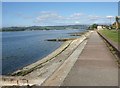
x: 22, y: 48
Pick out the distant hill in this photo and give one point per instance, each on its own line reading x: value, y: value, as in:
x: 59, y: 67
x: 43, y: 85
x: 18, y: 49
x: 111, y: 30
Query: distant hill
x: 44, y: 28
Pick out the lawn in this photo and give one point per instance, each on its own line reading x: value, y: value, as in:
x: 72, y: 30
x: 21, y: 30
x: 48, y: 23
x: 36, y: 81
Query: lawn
x: 111, y: 34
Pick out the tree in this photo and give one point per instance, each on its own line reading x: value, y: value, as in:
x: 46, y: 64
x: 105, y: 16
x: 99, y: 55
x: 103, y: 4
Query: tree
x: 95, y: 25
x: 117, y: 22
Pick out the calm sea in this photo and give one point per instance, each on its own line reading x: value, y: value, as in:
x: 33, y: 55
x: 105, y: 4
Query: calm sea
x: 23, y: 48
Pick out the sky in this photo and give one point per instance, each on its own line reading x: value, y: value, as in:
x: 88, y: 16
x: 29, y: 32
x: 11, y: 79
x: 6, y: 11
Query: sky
x: 57, y: 13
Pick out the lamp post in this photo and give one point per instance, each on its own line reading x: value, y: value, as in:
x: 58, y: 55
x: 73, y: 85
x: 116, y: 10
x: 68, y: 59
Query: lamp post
x: 110, y: 17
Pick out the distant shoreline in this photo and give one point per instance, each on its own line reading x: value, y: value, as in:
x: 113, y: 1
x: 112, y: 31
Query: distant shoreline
x: 35, y: 28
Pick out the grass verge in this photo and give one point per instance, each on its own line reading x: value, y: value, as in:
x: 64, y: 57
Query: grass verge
x: 111, y: 34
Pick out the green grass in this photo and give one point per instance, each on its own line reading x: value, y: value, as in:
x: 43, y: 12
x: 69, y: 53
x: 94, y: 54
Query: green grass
x: 111, y: 34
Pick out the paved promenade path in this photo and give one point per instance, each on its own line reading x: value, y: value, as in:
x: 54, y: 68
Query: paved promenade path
x: 95, y: 66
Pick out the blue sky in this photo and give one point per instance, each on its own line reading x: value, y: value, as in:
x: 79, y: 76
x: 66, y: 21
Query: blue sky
x: 57, y: 13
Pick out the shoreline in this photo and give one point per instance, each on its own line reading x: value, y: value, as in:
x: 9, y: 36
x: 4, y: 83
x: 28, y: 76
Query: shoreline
x: 39, y: 71
x: 45, y: 59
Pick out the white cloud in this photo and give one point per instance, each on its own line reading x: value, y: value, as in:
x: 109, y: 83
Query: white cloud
x: 76, y: 15
x: 77, y: 22
x: 48, y: 16
x: 109, y: 16
x: 53, y: 18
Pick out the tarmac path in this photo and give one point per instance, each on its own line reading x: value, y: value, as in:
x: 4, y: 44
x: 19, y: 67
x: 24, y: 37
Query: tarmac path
x: 95, y: 66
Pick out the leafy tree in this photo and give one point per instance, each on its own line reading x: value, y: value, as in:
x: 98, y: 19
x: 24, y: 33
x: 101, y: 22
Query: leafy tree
x: 92, y: 27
